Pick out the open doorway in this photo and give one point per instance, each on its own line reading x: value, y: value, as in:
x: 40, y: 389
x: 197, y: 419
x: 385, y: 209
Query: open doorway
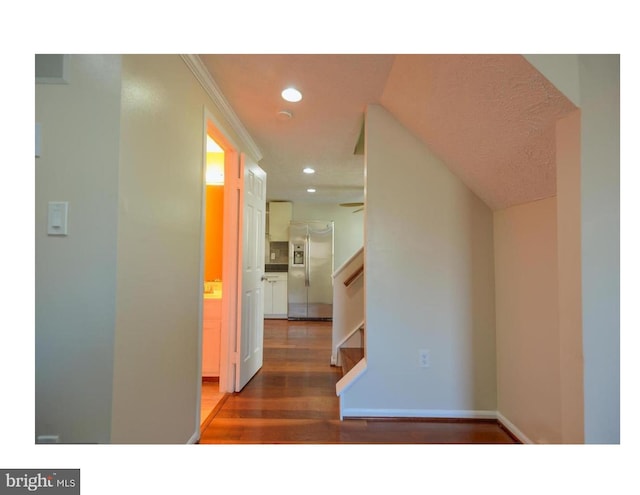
x: 232, y: 268
x: 220, y: 275
x: 212, y: 304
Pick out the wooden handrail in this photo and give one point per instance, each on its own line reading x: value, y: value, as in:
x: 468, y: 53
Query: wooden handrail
x: 354, y: 276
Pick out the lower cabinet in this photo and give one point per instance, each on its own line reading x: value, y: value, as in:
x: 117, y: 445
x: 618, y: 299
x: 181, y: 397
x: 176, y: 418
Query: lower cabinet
x: 275, y: 295
x: 211, y: 325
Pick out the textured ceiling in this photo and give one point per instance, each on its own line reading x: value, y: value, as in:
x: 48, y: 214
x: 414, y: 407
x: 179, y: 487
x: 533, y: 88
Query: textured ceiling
x: 490, y: 118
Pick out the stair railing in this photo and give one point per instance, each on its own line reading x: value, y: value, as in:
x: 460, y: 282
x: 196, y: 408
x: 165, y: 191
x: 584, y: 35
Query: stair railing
x: 348, y: 301
x: 359, y: 271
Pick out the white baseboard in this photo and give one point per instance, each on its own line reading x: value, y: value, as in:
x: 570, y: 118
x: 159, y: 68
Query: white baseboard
x: 435, y: 413
x: 417, y: 413
x: 514, y: 429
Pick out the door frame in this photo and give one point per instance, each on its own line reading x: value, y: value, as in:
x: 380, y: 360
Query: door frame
x: 231, y: 271
x: 224, y: 121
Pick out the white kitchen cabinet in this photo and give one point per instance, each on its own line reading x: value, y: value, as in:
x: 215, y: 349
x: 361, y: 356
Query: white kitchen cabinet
x: 280, y: 296
x: 280, y: 213
x: 275, y: 295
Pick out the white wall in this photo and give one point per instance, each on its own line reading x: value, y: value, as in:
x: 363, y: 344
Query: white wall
x: 527, y: 334
x: 570, y: 277
x: 539, y: 305
x: 348, y: 226
x: 429, y: 284
x: 117, y: 301
x: 156, y: 339
x: 75, y: 276
x: 600, y: 173
x: 561, y: 70
x: 594, y: 82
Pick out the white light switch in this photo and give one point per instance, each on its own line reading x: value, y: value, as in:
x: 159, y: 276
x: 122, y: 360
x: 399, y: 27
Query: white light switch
x: 57, y: 221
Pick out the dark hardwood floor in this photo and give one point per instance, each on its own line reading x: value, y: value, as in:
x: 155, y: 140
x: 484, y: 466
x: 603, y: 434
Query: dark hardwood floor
x: 292, y: 400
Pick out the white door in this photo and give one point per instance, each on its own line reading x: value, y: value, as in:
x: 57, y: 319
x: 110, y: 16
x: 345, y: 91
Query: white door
x: 251, y: 328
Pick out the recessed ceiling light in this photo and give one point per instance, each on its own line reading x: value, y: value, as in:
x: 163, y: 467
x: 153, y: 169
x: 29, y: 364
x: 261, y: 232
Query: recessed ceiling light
x: 309, y: 170
x: 311, y: 190
x: 284, y: 115
x: 292, y: 95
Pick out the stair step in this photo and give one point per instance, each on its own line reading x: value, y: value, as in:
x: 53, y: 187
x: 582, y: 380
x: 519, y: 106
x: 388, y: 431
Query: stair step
x: 349, y: 357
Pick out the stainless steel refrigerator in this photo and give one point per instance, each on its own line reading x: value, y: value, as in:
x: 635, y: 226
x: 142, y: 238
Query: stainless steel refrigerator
x: 310, y: 280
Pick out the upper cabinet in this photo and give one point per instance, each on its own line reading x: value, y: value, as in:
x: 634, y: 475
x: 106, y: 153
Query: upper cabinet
x: 280, y: 213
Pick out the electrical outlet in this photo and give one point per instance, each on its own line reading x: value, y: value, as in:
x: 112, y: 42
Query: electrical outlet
x: 424, y: 358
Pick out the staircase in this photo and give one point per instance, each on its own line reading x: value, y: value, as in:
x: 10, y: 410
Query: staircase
x: 353, y: 361
x: 348, y: 305
x: 352, y: 351
x: 349, y: 357
x: 348, y: 346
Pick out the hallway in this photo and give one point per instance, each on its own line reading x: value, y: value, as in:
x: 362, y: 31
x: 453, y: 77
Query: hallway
x: 292, y: 400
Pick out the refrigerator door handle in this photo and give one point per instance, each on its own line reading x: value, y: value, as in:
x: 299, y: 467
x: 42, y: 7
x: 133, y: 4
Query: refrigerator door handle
x: 307, y: 280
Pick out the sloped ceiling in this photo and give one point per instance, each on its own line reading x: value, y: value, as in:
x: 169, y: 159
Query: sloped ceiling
x: 490, y: 118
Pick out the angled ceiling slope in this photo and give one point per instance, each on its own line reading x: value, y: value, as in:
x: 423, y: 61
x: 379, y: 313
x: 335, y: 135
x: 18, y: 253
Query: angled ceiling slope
x: 490, y: 118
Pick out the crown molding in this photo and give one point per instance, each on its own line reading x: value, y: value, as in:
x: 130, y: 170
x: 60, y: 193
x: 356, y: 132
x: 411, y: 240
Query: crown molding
x: 203, y: 76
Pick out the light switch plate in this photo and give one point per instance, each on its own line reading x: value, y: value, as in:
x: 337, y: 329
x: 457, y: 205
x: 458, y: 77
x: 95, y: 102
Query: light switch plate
x: 57, y: 218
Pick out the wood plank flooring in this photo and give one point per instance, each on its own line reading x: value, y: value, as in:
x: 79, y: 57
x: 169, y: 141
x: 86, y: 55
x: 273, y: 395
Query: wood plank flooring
x: 292, y: 400
x: 210, y: 398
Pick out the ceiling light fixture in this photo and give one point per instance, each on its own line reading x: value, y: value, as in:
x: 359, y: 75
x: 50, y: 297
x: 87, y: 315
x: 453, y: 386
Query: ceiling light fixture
x: 292, y: 95
x: 309, y: 170
x: 284, y: 115
x: 311, y: 190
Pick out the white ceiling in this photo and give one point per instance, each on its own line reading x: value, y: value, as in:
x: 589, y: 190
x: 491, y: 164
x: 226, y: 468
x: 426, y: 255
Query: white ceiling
x: 489, y: 118
x: 325, y: 126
